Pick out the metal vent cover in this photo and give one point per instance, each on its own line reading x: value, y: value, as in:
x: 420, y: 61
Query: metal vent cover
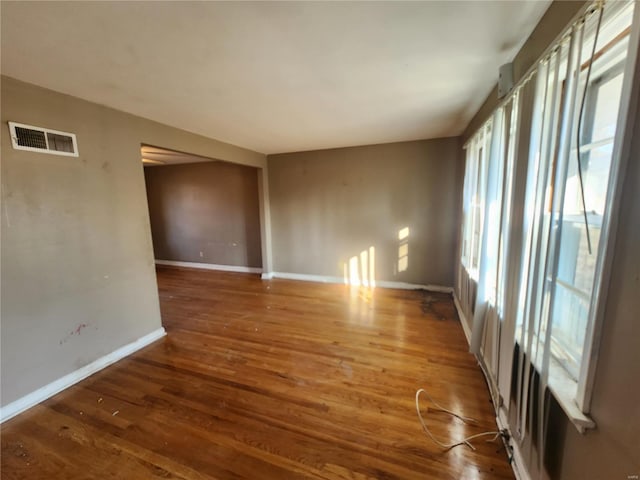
x: 44, y: 140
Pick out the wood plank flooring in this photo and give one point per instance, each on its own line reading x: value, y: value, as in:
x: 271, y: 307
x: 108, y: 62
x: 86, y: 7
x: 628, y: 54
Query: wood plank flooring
x: 270, y: 380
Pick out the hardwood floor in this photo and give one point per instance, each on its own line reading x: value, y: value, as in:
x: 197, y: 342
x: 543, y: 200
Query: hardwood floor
x: 270, y: 380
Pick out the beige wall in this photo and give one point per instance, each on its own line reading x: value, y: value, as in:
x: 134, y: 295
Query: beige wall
x: 205, y: 212
x: 76, y: 243
x: 330, y: 205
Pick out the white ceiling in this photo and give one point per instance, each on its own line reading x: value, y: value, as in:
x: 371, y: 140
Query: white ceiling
x: 274, y: 76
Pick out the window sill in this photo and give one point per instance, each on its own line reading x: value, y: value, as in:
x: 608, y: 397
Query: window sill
x: 564, y: 389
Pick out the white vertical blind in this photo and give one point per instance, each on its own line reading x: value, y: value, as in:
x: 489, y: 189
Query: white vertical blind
x: 489, y: 241
x: 549, y: 174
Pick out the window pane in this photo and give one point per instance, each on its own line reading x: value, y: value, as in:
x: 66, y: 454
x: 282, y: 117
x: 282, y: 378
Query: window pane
x: 606, y: 108
x: 577, y: 264
x: 596, y: 165
x: 596, y: 178
x: 570, y: 315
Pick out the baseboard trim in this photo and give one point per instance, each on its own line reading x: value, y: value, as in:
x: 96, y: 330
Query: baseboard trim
x: 210, y: 266
x: 414, y: 286
x: 340, y: 280
x: 462, y: 317
x: 304, y: 277
x: 18, y: 406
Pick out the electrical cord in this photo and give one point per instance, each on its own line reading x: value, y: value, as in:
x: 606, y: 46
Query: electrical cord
x: 464, y: 441
x: 579, y: 129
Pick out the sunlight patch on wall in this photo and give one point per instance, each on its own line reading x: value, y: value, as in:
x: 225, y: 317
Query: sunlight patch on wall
x: 403, y: 249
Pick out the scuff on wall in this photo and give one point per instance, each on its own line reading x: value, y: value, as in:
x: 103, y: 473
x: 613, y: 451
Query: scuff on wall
x: 74, y: 332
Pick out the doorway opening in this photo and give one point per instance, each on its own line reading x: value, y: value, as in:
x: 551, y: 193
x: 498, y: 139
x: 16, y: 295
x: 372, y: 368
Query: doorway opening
x: 204, y: 213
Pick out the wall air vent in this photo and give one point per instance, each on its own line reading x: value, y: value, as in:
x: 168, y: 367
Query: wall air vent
x: 45, y: 140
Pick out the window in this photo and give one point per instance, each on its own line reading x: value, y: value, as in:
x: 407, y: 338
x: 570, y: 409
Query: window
x: 540, y: 186
x: 474, y: 199
x: 512, y: 121
x: 580, y: 240
x: 569, y: 187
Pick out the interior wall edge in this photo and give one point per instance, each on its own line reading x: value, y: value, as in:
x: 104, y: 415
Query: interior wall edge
x: 264, y: 206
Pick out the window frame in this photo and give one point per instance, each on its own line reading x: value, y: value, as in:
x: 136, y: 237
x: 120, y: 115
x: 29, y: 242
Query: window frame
x: 561, y: 351
x: 574, y: 394
x: 475, y: 183
x: 620, y: 157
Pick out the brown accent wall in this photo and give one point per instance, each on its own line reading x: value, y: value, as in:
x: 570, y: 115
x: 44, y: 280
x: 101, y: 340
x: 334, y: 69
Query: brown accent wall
x: 328, y: 206
x: 205, y: 212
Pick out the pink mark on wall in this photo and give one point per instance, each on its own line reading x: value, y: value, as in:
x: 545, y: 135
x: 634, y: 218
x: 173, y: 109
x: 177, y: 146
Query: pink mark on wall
x: 80, y: 327
x: 73, y: 332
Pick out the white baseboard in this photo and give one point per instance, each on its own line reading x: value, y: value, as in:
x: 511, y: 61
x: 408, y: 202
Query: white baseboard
x: 304, y: 277
x: 463, y: 318
x: 210, y: 266
x: 266, y: 276
x: 340, y: 280
x: 18, y: 406
x: 414, y: 286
